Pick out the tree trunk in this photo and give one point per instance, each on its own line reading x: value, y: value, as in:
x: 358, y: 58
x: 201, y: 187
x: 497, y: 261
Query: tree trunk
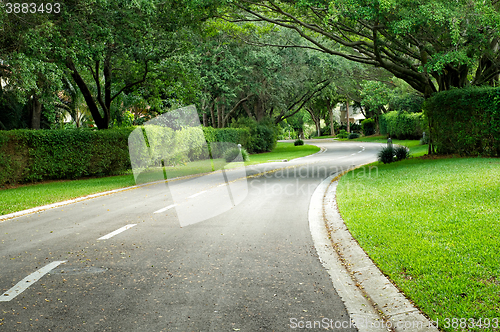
x: 245, y: 107
x: 212, y: 115
x: 205, y: 120
x: 223, y: 118
x: 332, y: 127
x: 219, y: 113
x: 316, y: 120
x: 36, y: 113
x: 100, y: 122
x: 347, y: 115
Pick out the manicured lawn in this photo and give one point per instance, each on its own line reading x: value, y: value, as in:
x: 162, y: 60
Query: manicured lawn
x: 322, y: 137
x: 433, y: 227
x: 283, y: 151
x: 25, y: 197
x: 416, y: 149
x: 29, y: 196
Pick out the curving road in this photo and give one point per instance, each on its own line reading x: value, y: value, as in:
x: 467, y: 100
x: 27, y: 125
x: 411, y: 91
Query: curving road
x: 221, y: 252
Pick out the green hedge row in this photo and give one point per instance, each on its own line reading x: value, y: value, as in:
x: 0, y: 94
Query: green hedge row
x: 263, y: 135
x: 402, y: 125
x: 35, y: 155
x: 465, y: 121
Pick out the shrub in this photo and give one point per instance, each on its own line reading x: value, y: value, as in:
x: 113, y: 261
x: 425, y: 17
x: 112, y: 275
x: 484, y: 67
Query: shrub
x: 368, y: 126
x: 233, y: 155
x: 402, y: 125
x: 401, y: 152
x: 353, y: 135
x: 298, y: 142
x: 325, y: 131
x: 407, y: 103
x: 34, y: 155
x: 355, y: 128
x: 386, y: 155
x: 263, y: 135
x: 245, y: 154
x: 342, y: 134
x: 465, y: 121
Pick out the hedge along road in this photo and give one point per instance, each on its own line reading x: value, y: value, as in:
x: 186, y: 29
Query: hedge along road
x: 113, y: 263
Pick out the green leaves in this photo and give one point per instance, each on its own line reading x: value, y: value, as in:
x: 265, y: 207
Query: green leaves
x: 416, y: 40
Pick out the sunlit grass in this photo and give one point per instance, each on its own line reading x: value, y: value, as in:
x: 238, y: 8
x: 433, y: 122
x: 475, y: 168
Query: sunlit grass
x: 283, y: 151
x: 28, y: 196
x: 433, y: 227
x: 416, y: 150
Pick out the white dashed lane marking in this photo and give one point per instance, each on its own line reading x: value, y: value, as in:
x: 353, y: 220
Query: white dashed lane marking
x: 118, y: 231
x: 22, y: 285
x: 165, y: 209
x: 198, y: 194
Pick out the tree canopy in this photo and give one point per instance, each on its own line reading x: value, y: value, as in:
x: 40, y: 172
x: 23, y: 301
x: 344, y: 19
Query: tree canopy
x: 431, y: 44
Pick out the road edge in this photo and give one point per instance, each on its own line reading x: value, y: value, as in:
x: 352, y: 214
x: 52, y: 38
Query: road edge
x: 360, y: 310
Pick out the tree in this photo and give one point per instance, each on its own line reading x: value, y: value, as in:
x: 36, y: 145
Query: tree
x: 30, y: 80
x: 433, y: 45
x: 110, y: 47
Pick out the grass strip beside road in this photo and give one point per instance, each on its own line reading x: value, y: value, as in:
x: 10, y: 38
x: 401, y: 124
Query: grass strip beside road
x: 33, y: 195
x: 433, y: 227
x: 282, y: 151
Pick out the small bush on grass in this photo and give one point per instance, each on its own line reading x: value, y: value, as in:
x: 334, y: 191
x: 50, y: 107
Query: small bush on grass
x: 368, y: 127
x: 298, y: 142
x: 342, y: 134
x: 354, y: 135
x: 233, y: 155
x: 245, y: 154
x: 401, y: 152
x: 386, y: 155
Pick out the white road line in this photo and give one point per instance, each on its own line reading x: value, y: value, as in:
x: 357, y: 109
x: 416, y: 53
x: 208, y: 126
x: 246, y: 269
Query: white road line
x: 22, y: 285
x: 165, y: 209
x: 221, y: 185
x: 197, y: 194
x: 118, y: 231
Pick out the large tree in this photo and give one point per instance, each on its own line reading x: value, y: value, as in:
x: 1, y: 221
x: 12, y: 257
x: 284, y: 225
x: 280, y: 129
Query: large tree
x: 431, y: 44
x: 109, y: 47
x: 28, y: 79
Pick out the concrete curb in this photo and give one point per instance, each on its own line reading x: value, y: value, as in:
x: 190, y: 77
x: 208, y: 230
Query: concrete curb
x: 397, y: 312
x: 360, y: 310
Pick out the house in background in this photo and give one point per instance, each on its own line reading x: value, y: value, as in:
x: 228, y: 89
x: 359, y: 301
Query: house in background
x: 355, y: 114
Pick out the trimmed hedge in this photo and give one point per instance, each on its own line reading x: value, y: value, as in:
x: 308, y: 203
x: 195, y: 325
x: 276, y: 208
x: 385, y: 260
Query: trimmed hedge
x: 402, y: 125
x: 263, y: 135
x: 465, y: 121
x: 36, y: 155
x: 368, y: 126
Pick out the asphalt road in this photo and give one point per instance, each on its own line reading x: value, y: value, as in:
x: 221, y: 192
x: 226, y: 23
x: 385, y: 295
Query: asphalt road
x: 214, y: 257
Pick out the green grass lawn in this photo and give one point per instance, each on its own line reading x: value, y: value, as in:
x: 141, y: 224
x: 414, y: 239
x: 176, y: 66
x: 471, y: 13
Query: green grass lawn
x: 283, y: 151
x: 416, y: 149
x: 433, y: 227
x: 29, y: 196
